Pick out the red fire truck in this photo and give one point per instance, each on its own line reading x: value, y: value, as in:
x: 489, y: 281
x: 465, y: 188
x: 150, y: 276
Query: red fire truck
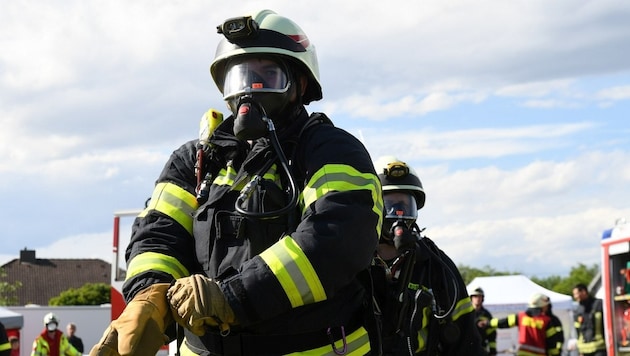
x: 118, y: 272
x: 616, y: 286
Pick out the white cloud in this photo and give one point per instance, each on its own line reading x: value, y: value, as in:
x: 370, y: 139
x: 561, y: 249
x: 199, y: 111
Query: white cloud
x: 95, y: 95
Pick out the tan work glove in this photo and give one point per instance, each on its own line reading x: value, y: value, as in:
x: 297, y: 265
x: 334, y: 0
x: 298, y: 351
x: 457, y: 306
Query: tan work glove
x: 139, y: 330
x: 198, y: 300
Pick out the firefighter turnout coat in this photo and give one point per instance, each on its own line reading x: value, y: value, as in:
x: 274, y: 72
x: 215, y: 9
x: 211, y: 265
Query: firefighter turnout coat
x: 589, y: 325
x: 439, y: 318
x: 291, y: 279
x: 534, y: 330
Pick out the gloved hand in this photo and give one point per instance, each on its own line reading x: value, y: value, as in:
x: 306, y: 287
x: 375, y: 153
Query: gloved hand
x: 139, y: 330
x: 197, y: 301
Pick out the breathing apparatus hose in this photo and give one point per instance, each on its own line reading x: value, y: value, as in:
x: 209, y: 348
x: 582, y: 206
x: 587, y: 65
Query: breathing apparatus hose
x: 453, y: 279
x: 252, y: 185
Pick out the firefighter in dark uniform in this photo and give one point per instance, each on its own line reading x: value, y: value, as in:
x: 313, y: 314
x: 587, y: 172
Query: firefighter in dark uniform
x: 589, y: 322
x: 422, y: 297
x: 482, y: 320
x: 255, y: 237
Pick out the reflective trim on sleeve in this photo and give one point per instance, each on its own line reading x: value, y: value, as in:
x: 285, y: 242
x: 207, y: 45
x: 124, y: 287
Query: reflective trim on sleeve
x: 512, y: 320
x: 358, y: 344
x: 175, y: 202
x: 464, y: 306
x: 5, y: 346
x: 294, y: 271
x: 341, y: 178
x: 153, y: 261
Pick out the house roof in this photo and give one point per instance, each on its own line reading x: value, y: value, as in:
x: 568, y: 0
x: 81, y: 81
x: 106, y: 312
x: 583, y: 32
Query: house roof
x: 44, y: 278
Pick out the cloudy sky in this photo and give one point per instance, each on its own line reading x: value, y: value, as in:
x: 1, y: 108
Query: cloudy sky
x: 514, y: 114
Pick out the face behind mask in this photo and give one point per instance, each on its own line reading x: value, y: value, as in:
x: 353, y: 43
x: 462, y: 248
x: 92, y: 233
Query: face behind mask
x: 255, y: 88
x: 51, y: 326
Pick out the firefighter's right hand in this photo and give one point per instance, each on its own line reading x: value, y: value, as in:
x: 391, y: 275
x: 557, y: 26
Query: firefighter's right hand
x: 140, y: 328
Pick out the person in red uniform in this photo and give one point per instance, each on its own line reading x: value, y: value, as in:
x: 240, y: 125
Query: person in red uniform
x: 257, y: 234
x: 533, y: 327
x: 52, y: 342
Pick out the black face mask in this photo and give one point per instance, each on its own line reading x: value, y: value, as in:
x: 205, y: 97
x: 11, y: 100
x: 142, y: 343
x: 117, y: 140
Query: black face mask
x: 250, y: 121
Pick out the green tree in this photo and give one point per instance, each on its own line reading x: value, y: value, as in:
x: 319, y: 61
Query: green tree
x: 579, y: 274
x: 469, y: 273
x: 88, y: 294
x: 8, y: 291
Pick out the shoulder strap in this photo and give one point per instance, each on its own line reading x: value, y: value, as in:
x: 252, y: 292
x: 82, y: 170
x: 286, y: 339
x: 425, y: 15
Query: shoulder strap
x: 315, y: 119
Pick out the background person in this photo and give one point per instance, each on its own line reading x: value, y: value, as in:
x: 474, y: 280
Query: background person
x: 589, y: 323
x: 52, y: 341
x: 482, y: 321
x: 534, y: 327
x: 435, y: 315
x: 76, y: 341
x: 555, y: 340
x: 15, y: 345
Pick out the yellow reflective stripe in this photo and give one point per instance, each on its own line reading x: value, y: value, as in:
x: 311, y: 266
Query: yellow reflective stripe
x: 294, y: 271
x: 272, y: 174
x: 153, y: 261
x: 423, y: 333
x: 464, y: 306
x: 358, y: 344
x: 341, y: 178
x: 512, y: 319
x: 175, y: 202
x: 226, y: 176
x: 5, y: 346
x: 553, y: 331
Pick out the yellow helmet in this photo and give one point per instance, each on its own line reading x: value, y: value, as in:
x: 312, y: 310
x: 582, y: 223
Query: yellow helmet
x: 267, y: 33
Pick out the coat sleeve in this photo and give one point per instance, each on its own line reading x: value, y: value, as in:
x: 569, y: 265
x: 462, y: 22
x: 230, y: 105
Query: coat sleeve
x: 5, y: 346
x: 162, y: 247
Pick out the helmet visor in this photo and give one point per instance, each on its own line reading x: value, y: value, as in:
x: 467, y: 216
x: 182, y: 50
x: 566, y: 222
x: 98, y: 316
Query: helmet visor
x: 400, y: 205
x: 255, y: 75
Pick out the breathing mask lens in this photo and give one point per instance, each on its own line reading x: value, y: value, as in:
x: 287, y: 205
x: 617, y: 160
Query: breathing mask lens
x: 254, y: 75
x: 400, y: 205
x: 51, y: 326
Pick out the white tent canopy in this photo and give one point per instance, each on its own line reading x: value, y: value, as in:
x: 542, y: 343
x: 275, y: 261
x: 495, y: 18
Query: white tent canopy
x: 11, y: 319
x: 513, y: 293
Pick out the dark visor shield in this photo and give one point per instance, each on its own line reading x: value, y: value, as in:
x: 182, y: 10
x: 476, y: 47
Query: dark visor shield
x: 400, y: 205
x: 254, y: 76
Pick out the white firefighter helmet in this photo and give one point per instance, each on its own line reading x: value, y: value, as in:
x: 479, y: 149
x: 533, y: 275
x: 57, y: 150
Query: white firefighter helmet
x: 50, y: 318
x: 267, y: 33
x: 538, y: 300
x: 476, y: 291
